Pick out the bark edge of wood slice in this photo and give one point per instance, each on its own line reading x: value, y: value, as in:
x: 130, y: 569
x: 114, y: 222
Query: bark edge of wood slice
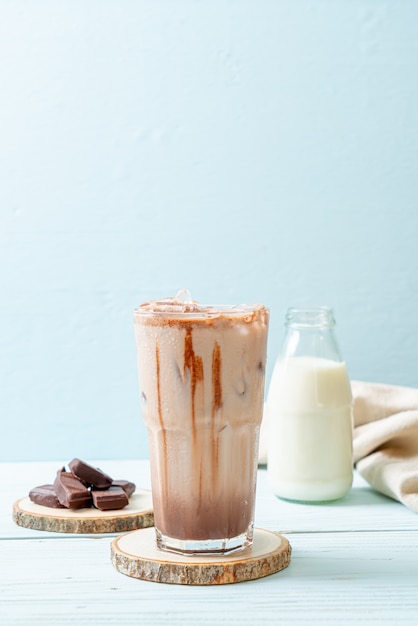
x: 136, y: 554
x: 137, y: 514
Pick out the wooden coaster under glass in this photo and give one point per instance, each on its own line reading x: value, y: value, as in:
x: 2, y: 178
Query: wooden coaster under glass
x: 136, y: 554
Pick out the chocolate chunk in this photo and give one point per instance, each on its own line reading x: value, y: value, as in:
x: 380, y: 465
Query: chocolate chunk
x: 90, y: 475
x: 46, y: 496
x: 126, y: 485
x: 108, y: 499
x: 70, y: 491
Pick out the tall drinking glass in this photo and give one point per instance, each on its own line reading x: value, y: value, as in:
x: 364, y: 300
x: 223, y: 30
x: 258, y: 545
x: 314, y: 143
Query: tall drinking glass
x: 201, y: 371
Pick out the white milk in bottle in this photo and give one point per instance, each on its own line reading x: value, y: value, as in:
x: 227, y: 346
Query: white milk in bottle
x: 309, y: 409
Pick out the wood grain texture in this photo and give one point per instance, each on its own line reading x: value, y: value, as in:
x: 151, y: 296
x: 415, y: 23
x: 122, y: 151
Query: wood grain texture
x: 334, y: 579
x: 136, y: 555
x: 353, y: 562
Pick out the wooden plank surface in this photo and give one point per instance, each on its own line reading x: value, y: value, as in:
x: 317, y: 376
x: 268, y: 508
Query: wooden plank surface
x: 354, y: 562
x: 340, y: 578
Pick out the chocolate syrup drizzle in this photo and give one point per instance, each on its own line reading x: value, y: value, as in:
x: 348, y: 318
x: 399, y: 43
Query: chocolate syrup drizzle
x: 216, y: 378
x: 160, y: 412
x: 195, y: 365
x: 216, y: 405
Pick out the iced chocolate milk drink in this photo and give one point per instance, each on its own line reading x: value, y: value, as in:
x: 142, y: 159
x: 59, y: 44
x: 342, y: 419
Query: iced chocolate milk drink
x: 201, y: 371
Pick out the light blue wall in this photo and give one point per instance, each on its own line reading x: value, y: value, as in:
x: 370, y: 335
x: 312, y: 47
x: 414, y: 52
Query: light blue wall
x: 252, y: 150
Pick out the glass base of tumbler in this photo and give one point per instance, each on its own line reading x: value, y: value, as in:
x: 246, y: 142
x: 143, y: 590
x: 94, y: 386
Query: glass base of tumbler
x: 205, y: 546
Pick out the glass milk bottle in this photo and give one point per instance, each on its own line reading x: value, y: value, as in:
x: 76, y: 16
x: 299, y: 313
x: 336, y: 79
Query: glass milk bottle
x: 309, y: 410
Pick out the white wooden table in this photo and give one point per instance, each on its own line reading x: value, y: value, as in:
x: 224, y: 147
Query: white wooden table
x: 353, y: 562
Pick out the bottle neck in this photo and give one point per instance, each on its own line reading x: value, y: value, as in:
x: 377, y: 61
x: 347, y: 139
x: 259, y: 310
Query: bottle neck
x: 313, y: 317
x: 310, y: 333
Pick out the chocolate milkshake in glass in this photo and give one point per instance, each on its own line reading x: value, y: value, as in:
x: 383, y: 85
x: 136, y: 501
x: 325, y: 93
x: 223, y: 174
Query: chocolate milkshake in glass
x: 201, y: 371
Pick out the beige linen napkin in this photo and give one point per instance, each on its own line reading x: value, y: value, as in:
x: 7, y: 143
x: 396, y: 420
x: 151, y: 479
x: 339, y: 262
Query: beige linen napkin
x: 386, y: 439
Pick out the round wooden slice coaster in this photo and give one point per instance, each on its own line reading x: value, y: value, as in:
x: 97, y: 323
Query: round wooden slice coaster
x: 137, y: 514
x: 136, y: 554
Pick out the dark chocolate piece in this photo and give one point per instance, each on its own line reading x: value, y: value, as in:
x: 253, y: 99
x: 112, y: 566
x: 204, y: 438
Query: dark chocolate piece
x: 90, y: 475
x: 126, y: 485
x: 71, y: 492
x: 46, y: 496
x: 108, y: 499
